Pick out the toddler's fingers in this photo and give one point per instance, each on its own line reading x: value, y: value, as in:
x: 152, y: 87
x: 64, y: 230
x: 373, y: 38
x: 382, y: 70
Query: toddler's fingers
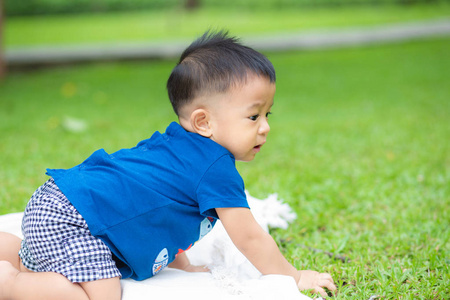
x: 328, y: 284
x: 326, y: 276
x: 327, y: 281
x: 321, y: 291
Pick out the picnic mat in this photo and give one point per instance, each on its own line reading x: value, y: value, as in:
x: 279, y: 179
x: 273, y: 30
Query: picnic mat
x: 232, y: 276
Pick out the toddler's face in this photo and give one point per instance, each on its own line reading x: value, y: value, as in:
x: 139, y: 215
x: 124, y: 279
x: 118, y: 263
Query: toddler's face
x: 239, y: 119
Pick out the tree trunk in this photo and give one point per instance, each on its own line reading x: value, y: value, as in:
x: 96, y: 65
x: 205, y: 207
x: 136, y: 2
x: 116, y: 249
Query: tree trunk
x: 2, y: 61
x: 190, y: 4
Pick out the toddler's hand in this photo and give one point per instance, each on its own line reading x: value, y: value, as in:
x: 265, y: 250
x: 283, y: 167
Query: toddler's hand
x: 312, y: 280
x: 192, y: 268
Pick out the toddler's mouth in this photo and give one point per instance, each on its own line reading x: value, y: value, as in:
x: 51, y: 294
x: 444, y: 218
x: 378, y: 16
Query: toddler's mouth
x: 257, y: 148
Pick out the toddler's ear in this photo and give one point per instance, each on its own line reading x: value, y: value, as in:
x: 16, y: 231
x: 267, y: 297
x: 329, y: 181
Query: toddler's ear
x: 200, y: 119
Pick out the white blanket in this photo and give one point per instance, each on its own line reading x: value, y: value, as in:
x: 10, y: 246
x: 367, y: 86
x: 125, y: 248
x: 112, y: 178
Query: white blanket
x: 232, y: 276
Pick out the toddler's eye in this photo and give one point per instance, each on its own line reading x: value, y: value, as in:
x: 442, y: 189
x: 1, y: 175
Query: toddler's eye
x: 254, y: 118
x: 267, y: 115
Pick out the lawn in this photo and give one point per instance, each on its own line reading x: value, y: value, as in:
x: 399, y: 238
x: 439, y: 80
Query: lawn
x: 359, y: 148
x: 174, y: 24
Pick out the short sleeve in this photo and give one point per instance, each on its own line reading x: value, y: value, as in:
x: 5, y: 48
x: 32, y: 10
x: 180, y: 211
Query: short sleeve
x: 221, y: 186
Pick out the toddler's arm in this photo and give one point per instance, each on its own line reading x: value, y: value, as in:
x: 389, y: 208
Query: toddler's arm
x: 182, y: 262
x: 262, y: 251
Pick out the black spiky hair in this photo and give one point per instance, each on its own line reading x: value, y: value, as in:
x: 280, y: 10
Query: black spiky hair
x: 214, y: 63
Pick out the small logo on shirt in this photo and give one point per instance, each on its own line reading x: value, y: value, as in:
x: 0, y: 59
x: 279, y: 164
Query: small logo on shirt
x: 161, y: 261
x: 206, y: 226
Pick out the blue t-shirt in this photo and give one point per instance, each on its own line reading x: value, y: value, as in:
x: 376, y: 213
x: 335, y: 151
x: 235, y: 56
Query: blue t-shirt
x: 155, y: 200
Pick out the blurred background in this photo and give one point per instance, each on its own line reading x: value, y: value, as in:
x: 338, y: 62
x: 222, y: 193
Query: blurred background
x: 359, y: 145
x: 60, y: 31
x: 36, y: 22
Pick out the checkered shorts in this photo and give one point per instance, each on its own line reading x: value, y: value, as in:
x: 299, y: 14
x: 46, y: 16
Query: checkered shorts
x: 57, y: 239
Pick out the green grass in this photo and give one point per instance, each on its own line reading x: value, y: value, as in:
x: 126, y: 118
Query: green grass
x: 173, y: 24
x: 359, y: 148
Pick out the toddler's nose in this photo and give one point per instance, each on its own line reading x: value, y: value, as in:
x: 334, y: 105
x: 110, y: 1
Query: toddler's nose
x: 264, y: 128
